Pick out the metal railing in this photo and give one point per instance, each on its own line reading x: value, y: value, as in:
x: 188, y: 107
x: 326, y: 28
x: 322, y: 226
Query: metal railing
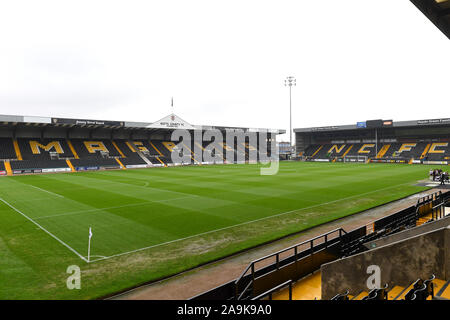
x: 271, y: 291
x: 434, y: 203
x: 351, y: 242
x: 431, y: 197
x: 341, y: 296
x: 292, y: 251
x: 438, y: 211
x: 437, y: 201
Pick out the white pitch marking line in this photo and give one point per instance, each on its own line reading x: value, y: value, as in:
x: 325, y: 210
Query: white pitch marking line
x: 45, y: 230
x: 247, y: 222
x: 106, y: 208
x: 147, y: 187
x: 31, y: 200
x: 95, y: 255
x: 55, y: 194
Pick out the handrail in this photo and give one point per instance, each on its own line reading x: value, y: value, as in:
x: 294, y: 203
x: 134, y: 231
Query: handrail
x: 432, y: 196
x: 421, y: 289
x: 406, y: 220
x: 377, y: 293
x: 298, y: 244
x: 243, y: 273
x: 430, y: 286
x: 438, y: 211
x: 393, y: 224
x: 287, y: 249
x: 341, y: 296
x: 245, y: 290
x: 280, y: 286
x: 251, y: 265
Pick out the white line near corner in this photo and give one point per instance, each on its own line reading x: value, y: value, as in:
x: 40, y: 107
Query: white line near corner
x: 45, y: 230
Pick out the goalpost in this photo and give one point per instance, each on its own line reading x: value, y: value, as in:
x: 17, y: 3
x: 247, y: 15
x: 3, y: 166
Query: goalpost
x: 357, y: 159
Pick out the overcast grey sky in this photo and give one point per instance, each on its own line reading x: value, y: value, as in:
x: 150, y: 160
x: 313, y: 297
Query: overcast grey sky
x: 224, y: 62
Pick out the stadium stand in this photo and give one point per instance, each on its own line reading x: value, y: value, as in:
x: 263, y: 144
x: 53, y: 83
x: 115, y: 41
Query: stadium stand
x: 94, y: 163
x: 229, y: 149
x: 438, y: 151
x: 386, y: 151
x: 309, y: 289
x: 419, y: 141
x: 418, y: 290
x: 36, y: 164
x: 94, y: 148
x: 129, y: 155
x: 164, y: 149
x: 91, y: 153
x: 408, y: 150
x: 43, y: 148
x: 7, y: 149
x: 149, y: 150
x: 39, y: 144
x: 3, y: 170
x: 317, y: 268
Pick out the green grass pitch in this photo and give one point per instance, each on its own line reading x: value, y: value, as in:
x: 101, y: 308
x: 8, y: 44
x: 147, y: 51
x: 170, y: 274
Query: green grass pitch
x: 150, y: 223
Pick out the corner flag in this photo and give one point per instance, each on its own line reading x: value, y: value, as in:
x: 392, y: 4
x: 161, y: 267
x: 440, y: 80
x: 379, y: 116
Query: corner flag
x: 89, y: 245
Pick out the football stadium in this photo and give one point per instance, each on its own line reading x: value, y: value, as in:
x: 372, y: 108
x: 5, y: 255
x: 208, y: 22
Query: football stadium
x: 95, y: 209
x: 110, y: 198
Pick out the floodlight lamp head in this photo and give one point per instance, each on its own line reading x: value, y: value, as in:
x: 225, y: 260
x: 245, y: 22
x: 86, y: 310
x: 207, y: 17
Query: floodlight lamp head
x: 290, y: 81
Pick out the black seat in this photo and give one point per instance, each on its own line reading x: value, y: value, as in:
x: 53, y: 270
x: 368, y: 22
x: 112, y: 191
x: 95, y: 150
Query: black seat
x: 410, y: 295
x: 341, y: 296
x: 377, y: 294
x: 426, y: 290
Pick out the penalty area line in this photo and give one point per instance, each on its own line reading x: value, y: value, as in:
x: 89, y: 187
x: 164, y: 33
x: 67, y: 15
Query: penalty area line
x: 55, y: 194
x: 247, y: 222
x: 43, y: 190
x: 45, y: 230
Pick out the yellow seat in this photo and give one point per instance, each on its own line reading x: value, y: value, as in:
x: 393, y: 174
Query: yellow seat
x: 308, y: 288
x: 402, y: 295
x: 394, y: 292
x: 360, y: 295
x: 438, y: 285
